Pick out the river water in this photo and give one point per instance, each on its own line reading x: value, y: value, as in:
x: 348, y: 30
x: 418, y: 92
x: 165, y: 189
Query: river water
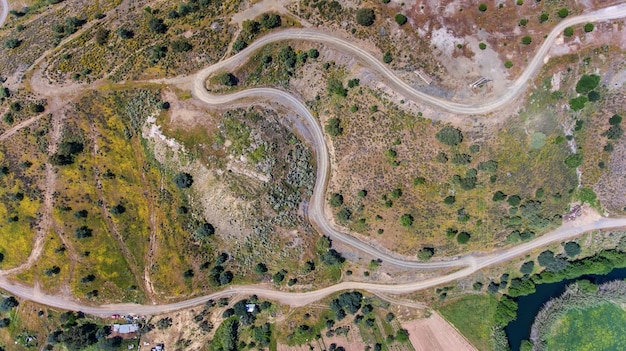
x: 530, y: 305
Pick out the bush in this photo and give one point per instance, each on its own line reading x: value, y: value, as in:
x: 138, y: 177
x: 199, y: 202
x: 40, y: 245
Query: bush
x: 449, y: 135
x: 333, y: 127
x: 387, y: 58
x: 365, y: 17
x: 587, y: 83
x: 270, y: 21
x: 400, y: 19
x: 335, y: 86
x: 118, y: 209
x: 527, y: 40
x: 124, y: 33
x: 183, y: 180
x: 181, y: 45
x: 527, y: 267
x: 102, y: 35
x: 523, y: 22
x: 449, y: 200
x: 461, y: 159
x: 313, y: 53
x: 588, y: 28
x: 205, y: 230
x: 425, y: 253
x: 563, y: 13
x: 482, y: 46
x: 543, y: 17
x: 499, y: 196
x: 83, y: 232
x: 463, y: 237
x: 593, y: 96
x: 12, y: 43
x: 514, y: 200
x: 614, y: 132
x: 4, y: 92
x: 573, y: 161
x: 568, y: 32
x: 615, y: 120
x: 156, y: 25
x: 508, y: 64
x: 344, y: 214
x: 406, y: 220
x: 336, y: 200
x: 482, y: 7
x: 332, y: 257
x: 8, y: 303
x: 578, y: 103
x: 571, y: 248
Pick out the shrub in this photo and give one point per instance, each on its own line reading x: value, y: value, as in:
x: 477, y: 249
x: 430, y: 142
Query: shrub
x: 563, y: 13
x: 270, y: 21
x: 335, y: 87
x: 574, y: 160
x: 523, y: 22
x: 12, y: 43
x: 571, y: 248
x: 488, y: 166
x: 527, y: 267
x: 313, y: 53
x: 482, y: 46
x: 102, y: 35
x: 183, y: 180
x: 400, y: 19
x: 587, y: 83
x: 593, y: 96
x: 588, y: 28
x: 205, y: 230
x: 461, y: 159
x: 615, y: 120
x: 4, y: 92
x: 156, y: 25
x: 406, y: 220
x: 365, y: 17
x: 124, y: 33
x: 527, y: 40
x: 333, y: 127
x: 482, y: 7
x: 344, y: 214
x: 181, y: 45
x: 499, y: 196
x: 425, y: 253
x: 387, y: 58
x: 514, y: 200
x: 83, y: 232
x: 8, y: 303
x: 577, y: 104
x: 336, y: 200
x: 239, y: 45
x: 614, y: 132
x: 568, y: 32
x: 463, y: 237
x: 508, y: 64
x: 227, y: 79
x: 118, y: 209
x: 449, y: 200
x: 543, y: 17
x: 449, y: 135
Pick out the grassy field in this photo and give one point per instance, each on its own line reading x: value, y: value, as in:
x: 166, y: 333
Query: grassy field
x: 597, y: 328
x: 473, y: 316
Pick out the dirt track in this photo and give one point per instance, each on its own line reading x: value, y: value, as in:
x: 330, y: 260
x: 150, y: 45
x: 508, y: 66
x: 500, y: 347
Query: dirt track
x: 471, y: 263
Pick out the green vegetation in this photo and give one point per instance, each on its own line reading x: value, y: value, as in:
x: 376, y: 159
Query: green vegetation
x: 476, y: 327
x: 482, y: 7
x: 574, y: 160
x: 400, y: 19
x: 587, y: 83
x: 449, y: 135
x: 508, y: 64
x: 365, y: 17
x: 543, y: 17
x: 568, y: 32
x: 526, y: 40
x: 333, y: 127
x: 577, y: 104
x: 588, y: 28
x: 406, y: 220
x: 482, y: 46
x: 563, y: 12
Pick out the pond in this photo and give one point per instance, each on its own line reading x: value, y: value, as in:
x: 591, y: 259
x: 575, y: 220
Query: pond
x: 530, y: 305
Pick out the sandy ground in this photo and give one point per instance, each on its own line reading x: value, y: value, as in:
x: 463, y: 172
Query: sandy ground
x: 436, y: 334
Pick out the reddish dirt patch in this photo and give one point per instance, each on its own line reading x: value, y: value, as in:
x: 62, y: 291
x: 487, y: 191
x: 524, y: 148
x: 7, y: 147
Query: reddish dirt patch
x: 435, y: 334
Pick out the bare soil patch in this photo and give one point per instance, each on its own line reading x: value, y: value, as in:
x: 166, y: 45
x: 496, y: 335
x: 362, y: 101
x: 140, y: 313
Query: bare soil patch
x: 435, y: 334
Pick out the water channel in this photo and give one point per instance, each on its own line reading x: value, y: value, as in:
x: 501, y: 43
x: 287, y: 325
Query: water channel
x: 530, y: 305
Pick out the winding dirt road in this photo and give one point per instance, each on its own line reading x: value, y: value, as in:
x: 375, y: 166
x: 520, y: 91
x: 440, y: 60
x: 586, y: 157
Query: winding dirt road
x: 471, y: 263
